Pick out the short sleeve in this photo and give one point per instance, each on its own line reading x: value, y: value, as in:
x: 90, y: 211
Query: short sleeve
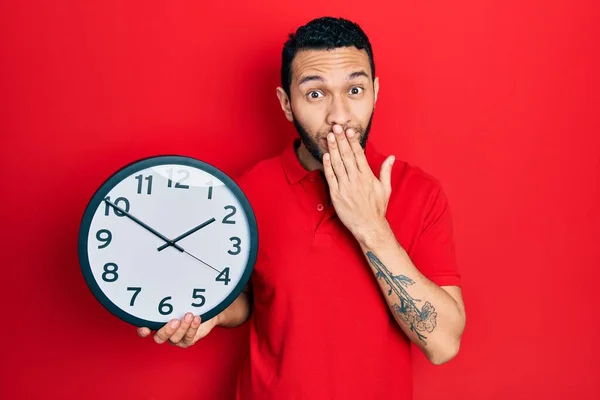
x: 434, y: 250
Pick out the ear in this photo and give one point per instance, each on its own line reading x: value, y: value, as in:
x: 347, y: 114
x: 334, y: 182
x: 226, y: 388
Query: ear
x: 376, y: 90
x: 286, y: 105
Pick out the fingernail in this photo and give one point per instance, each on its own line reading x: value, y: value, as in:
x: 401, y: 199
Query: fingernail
x: 330, y: 137
x: 188, y: 317
x: 350, y: 133
x: 174, y: 323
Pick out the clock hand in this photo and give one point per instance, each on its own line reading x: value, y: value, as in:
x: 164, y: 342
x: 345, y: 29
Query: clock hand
x: 116, y: 207
x: 208, y: 265
x: 169, y: 242
x: 178, y: 238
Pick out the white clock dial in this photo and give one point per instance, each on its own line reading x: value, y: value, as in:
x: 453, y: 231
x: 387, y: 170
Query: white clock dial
x: 167, y: 235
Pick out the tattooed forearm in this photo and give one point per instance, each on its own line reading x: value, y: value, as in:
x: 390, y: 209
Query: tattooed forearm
x: 419, y: 319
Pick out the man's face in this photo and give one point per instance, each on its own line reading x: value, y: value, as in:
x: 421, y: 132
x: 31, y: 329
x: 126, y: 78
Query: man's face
x: 328, y: 88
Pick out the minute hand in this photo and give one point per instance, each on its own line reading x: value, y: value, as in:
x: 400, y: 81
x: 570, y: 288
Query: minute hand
x: 188, y: 233
x: 131, y: 217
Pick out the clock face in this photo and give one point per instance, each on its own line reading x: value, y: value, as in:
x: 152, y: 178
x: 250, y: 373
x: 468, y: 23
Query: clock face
x: 164, y: 236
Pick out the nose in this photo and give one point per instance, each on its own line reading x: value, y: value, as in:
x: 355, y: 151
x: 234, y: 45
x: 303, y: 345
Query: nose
x: 339, y: 112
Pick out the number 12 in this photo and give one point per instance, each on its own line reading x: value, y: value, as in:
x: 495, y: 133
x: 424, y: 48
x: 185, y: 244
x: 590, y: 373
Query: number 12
x: 178, y: 185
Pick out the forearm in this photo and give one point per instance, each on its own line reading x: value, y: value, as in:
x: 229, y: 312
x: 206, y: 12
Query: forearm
x: 237, y: 313
x: 428, y: 314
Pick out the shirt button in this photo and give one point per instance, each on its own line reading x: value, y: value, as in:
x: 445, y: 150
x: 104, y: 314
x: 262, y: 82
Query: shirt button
x: 320, y: 207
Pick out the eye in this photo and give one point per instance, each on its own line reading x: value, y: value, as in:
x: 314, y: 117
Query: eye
x: 356, y: 90
x: 313, y: 94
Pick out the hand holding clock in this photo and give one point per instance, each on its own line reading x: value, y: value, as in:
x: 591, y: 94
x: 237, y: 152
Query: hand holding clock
x: 181, y: 333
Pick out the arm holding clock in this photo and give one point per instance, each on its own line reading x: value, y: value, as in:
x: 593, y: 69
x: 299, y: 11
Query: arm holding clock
x: 432, y: 316
x: 190, y: 329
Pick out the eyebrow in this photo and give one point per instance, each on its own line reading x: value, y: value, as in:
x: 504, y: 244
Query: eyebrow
x: 357, y: 74
x: 319, y: 78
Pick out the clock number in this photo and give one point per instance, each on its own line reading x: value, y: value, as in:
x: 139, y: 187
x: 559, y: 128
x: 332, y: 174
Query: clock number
x: 106, y: 239
x: 235, y: 245
x: 163, y: 304
x: 224, y: 276
x: 117, y: 201
x: 197, y: 295
x: 140, y: 179
x: 210, y: 190
x: 231, y: 214
x: 112, y: 272
x: 137, y: 290
x: 178, y: 184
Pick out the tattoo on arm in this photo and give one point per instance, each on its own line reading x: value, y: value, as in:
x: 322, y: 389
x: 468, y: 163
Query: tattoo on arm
x: 419, y: 320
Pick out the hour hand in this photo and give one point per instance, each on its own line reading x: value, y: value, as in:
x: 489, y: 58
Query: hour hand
x: 148, y: 228
x: 178, y: 238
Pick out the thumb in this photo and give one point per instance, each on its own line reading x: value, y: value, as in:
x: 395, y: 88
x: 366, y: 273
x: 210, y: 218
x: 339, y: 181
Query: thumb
x: 385, y: 176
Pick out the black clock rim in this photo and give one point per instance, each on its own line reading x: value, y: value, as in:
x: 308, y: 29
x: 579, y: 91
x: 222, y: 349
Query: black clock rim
x: 128, y: 170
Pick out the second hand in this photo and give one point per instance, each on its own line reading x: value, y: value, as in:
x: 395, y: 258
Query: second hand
x: 208, y: 265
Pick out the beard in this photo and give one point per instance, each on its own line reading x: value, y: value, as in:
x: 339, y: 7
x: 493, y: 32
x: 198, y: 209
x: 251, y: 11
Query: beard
x: 313, y: 146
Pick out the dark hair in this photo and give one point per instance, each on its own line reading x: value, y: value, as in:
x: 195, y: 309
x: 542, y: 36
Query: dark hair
x: 323, y: 33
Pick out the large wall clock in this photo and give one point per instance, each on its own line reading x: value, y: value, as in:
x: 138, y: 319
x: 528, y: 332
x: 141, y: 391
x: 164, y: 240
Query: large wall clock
x: 166, y: 235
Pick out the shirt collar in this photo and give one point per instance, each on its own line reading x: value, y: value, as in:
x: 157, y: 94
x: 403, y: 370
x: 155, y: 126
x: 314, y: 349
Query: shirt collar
x: 295, y: 172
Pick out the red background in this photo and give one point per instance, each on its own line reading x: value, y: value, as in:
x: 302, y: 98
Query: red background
x: 498, y: 99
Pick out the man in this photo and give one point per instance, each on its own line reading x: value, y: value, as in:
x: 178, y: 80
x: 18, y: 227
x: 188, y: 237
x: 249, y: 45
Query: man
x: 356, y: 255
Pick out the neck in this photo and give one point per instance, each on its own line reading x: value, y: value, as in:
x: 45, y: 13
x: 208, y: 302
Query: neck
x: 306, y: 159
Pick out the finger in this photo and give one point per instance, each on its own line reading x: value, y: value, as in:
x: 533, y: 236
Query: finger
x: 183, y: 328
x: 385, y: 175
x: 143, y: 332
x: 190, y: 335
x: 164, y: 333
x: 359, y: 153
x: 329, y: 174
x: 345, y: 150
x: 336, y: 159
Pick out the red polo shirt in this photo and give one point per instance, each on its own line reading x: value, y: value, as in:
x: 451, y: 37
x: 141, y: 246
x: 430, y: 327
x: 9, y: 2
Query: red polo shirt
x: 320, y: 327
